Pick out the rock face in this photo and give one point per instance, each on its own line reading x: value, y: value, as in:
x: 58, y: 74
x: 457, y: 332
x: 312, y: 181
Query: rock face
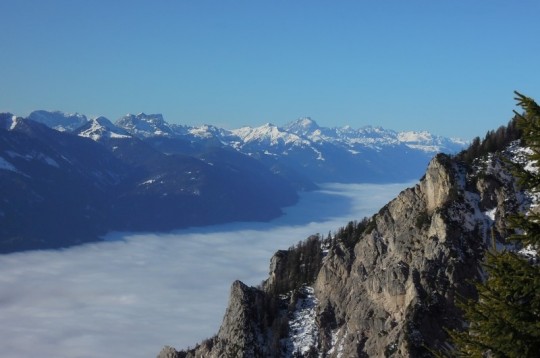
x: 398, y: 287
x: 391, y: 291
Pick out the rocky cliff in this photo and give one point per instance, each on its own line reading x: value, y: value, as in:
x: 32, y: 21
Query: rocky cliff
x: 384, y: 287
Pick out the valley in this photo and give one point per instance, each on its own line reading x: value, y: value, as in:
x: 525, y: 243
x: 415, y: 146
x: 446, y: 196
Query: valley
x: 134, y: 293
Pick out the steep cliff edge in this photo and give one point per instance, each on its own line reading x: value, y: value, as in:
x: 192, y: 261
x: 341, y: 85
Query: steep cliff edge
x: 388, y: 287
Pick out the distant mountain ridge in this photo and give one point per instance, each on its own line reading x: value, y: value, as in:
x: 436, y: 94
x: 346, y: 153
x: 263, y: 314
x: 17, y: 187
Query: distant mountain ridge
x: 298, y: 132
x: 339, y: 154
x: 60, y: 121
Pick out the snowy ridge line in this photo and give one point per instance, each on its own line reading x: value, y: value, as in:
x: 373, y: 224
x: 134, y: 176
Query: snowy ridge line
x: 303, y: 132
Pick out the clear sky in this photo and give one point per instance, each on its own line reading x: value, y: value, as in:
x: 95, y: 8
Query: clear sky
x: 449, y: 67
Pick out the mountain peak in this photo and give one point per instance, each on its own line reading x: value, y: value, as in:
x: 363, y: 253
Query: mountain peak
x: 268, y: 133
x: 154, y: 117
x: 103, y: 121
x: 101, y: 127
x: 143, y: 117
x: 145, y: 125
x: 8, y: 121
x: 302, y: 125
x: 63, y: 122
x: 427, y: 142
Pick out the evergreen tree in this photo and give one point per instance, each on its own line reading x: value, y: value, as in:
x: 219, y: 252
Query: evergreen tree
x: 505, y: 320
x: 494, y: 141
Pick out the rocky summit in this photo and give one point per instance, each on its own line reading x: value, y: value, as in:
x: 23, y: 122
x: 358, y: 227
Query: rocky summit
x: 382, y: 287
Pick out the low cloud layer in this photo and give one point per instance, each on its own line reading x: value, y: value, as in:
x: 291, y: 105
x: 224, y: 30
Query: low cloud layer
x: 131, y: 295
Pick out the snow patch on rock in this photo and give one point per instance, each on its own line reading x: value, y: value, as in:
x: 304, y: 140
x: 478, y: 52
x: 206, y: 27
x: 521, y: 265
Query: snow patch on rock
x: 5, y: 165
x: 303, y: 328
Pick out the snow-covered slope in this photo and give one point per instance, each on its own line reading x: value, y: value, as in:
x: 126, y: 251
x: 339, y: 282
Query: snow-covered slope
x: 101, y: 127
x: 8, y: 121
x: 268, y: 134
x: 430, y: 143
x: 303, y: 329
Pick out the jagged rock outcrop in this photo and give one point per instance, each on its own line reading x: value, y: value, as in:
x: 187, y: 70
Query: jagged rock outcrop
x: 398, y: 287
x: 392, y: 291
x: 240, y: 332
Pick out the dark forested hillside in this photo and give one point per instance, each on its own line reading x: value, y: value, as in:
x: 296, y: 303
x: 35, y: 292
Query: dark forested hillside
x: 60, y: 189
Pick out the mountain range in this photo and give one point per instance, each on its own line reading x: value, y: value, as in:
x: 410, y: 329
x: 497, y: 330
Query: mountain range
x: 67, y: 179
x: 320, y: 154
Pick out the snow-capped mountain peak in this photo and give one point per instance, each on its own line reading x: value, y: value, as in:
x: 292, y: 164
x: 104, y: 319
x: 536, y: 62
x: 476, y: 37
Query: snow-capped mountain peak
x: 145, y: 125
x: 427, y: 142
x: 63, y: 122
x: 302, y: 126
x: 207, y: 131
x: 415, y: 137
x: 268, y: 134
x: 8, y: 121
x: 100, y: 127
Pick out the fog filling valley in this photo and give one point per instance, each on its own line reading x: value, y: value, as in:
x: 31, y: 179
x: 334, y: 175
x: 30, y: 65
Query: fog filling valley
x: 134, y: 293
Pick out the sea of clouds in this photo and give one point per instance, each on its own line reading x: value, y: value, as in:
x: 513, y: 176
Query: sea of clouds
x: 134, y: 293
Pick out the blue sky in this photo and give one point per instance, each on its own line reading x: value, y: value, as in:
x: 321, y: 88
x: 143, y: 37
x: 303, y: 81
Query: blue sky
x: 449, y: 67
